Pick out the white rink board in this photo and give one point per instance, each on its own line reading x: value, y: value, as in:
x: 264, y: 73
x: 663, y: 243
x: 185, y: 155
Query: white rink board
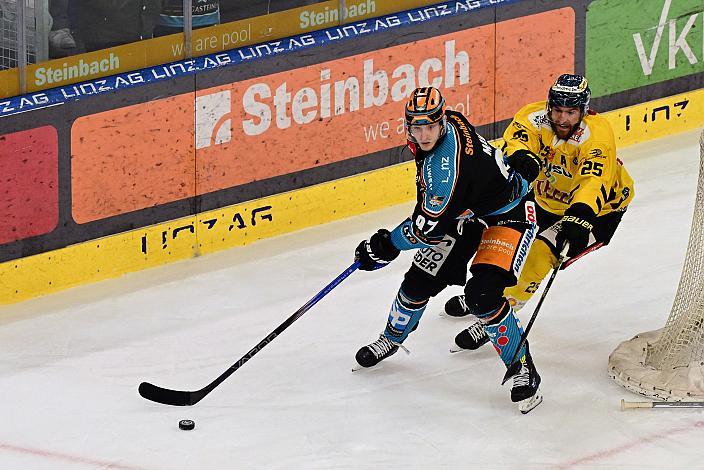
x: 71, y: 362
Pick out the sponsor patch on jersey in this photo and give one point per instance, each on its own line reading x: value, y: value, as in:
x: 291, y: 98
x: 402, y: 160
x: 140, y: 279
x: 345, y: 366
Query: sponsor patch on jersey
x: 431, y: 259
x: 577, y: 135
x: 539, y: 119
x: 558, y: 170
x: 597, y: 153
x: 498, y: 247
x: 530, y: 212
x: 524, y: 247
x: 468, y: 144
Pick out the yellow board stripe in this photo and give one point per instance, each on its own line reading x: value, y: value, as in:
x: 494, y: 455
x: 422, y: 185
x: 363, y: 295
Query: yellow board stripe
x: 241, y: 224
x: 211, y: 231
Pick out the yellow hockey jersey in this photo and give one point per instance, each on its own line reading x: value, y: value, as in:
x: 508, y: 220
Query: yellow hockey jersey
x: 583, y: 168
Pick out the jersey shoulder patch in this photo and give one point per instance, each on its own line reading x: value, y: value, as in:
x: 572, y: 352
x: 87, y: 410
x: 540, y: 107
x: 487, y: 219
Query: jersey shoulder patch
x: 534, y: 114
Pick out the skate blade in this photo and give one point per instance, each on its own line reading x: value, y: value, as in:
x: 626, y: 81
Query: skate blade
x: 525, y: 406
x: 356, y: 367
x: 454, y: 348
x: 443, y: 314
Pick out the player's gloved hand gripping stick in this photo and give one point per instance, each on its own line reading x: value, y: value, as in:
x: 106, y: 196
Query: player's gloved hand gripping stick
x: 515, y: 365
x: 185, y: 398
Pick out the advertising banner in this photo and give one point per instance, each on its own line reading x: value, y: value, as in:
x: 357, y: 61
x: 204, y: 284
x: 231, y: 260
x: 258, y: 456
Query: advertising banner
x: 120, y: 59
x: 648, y: 42
x: 29, y: 196
x: 131, y: 158
x: 308, y: 117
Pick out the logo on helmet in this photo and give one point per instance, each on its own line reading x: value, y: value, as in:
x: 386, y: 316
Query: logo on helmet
x: 570, y: 91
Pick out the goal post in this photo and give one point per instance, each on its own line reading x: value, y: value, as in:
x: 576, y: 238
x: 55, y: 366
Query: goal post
x: 668, y: 363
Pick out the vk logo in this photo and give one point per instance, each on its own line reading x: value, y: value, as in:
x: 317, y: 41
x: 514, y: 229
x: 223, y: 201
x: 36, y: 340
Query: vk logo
x: 213, y: 120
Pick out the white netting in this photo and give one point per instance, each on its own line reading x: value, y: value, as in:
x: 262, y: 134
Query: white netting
x: 669, y: 363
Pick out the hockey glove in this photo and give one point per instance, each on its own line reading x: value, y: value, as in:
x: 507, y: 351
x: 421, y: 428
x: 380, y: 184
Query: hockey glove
x: 576, y: 225
x: 376, y: 252
x: 526, y: 163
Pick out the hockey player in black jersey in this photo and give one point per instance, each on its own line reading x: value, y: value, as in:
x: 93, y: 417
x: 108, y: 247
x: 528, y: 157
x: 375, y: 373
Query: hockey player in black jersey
x: 470, y: 203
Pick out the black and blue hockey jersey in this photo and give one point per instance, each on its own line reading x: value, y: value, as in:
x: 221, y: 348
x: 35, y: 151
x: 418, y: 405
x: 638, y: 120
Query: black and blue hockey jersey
x: 462, y: 177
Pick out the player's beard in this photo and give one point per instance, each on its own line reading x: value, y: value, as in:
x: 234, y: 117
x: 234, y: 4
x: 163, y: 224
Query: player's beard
x: 563, y: 132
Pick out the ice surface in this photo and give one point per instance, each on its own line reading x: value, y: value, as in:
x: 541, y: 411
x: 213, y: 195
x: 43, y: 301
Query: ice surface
x: 70, y: 363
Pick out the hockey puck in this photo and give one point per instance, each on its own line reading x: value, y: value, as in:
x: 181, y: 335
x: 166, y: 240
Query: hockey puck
x: 186, y: 424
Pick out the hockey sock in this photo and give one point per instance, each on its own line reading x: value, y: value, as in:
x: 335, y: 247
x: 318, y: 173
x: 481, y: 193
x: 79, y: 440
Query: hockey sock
x: 404, y: 316
x: 504, y: 331
x: 540, y: 261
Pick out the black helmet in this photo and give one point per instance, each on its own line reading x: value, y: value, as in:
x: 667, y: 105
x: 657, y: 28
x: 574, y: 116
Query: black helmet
x: 570, y: 91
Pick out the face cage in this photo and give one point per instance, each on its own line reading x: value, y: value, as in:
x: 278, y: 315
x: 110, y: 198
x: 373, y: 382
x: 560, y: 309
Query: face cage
x: 412, y: 138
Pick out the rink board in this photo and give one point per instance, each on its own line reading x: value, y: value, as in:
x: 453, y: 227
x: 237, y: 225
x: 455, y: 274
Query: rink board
x: 221, y: 37
x: 241, y: 224
x: 169, y: 162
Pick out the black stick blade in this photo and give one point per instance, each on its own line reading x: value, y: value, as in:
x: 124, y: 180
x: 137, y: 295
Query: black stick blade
x: 164, y: 395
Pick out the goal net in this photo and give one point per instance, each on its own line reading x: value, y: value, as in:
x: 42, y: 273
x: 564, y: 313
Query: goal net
x: 668, y: 363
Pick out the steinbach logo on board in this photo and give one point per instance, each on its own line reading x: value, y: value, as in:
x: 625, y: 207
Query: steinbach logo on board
x: 305, y: 118
x: 267, y: 105
x: 332, y: 111
x: 213, y: 122
x: 373, y: 87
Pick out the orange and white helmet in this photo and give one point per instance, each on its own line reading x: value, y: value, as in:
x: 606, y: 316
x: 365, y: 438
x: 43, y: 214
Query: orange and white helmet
x: 425, y: 106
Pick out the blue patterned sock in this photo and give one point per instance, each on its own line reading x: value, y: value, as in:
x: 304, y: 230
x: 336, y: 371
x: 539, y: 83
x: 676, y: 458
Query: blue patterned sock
x: 504, y: 332
x: 404, y: 316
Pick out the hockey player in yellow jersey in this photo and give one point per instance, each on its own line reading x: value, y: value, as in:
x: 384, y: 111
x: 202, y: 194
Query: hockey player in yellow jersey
x: 582, y: 190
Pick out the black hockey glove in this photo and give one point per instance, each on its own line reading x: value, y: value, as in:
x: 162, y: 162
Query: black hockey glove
x: 526, y: 163
x: 376, y: 252
x: 576, y: 225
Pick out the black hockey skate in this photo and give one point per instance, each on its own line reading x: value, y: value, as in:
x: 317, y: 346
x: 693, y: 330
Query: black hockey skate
x: 371, y: 354
x: 456, y: 307
x: 472, y: 337
x: 525, y: 390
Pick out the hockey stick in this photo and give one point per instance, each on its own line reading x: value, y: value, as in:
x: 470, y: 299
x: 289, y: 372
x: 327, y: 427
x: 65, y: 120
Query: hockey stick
x: 587, y: 250
x: 185, y: 398
x: 631, y: 405
x: 515, y: 366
